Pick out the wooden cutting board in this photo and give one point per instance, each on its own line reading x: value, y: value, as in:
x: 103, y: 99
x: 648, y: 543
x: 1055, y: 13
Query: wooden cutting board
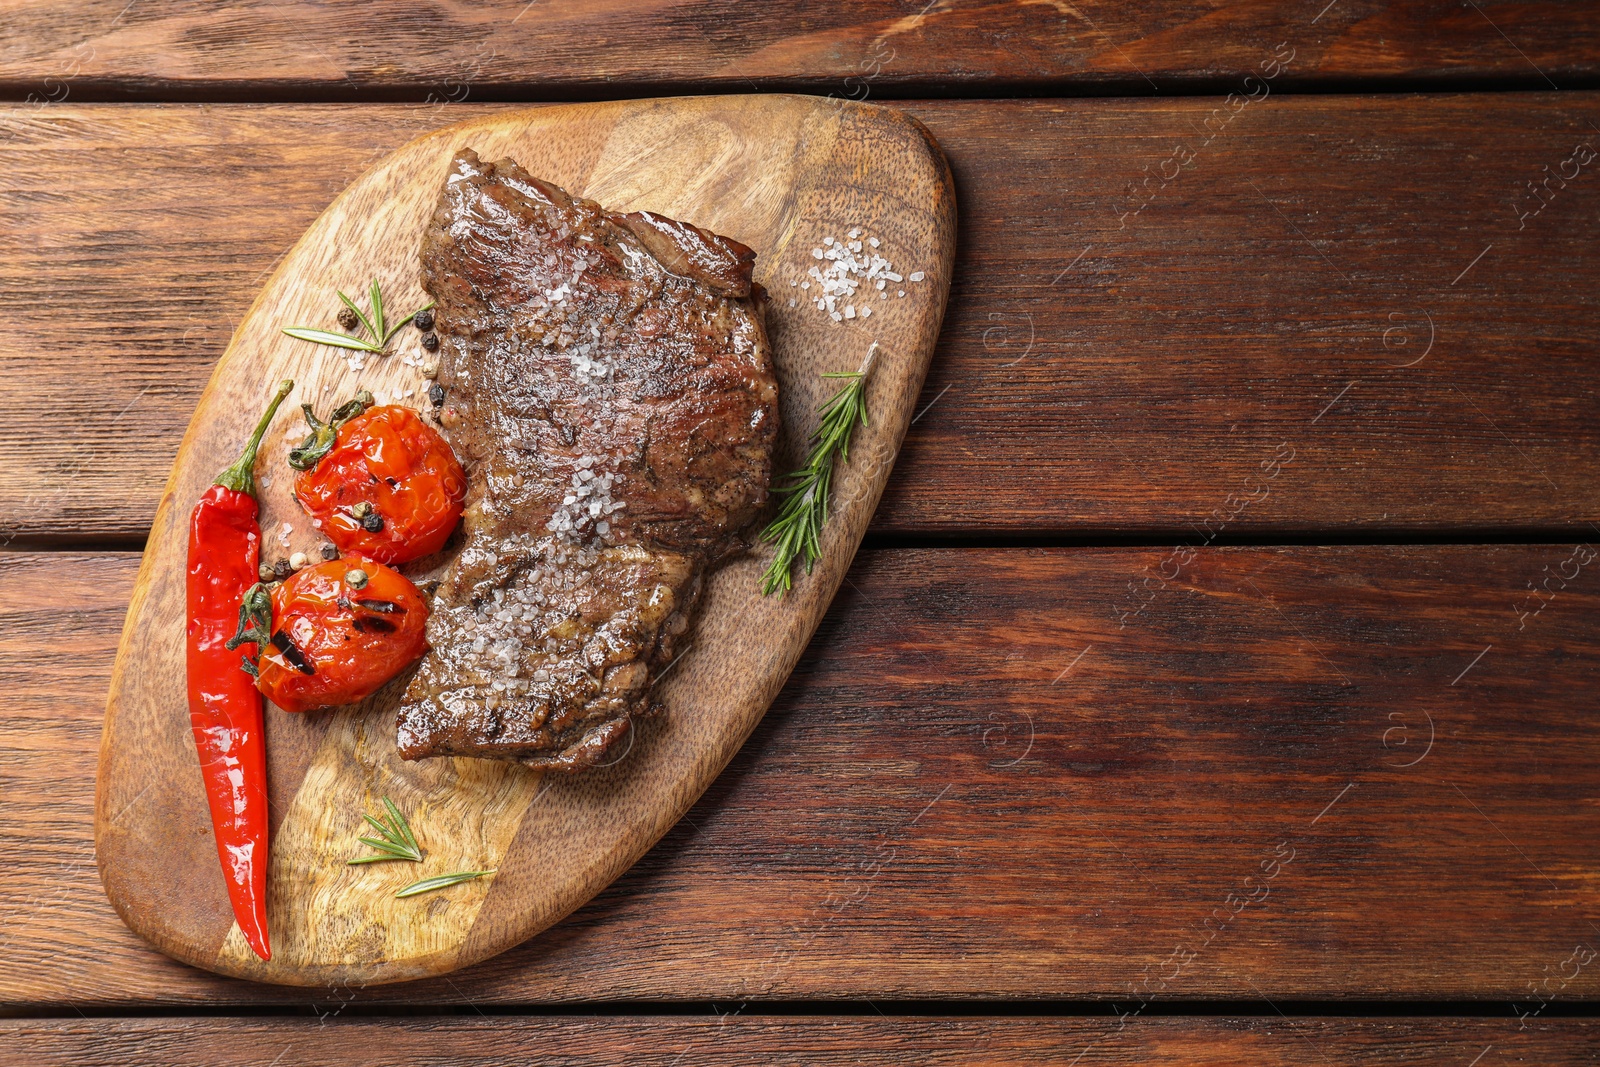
x: 779, y: 173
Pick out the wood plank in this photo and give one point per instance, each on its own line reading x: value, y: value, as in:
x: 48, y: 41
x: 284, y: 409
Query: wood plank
x: 191, y: 50
x: 818, y: 1040
x: 1340, y: 279
x: 981, y: 783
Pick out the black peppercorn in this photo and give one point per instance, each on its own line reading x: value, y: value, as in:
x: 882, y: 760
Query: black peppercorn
x: 430, y: 341
x: 282, y: 569
x: 423, y: 320
x: 372, y: 522
x: 436, y: 394
x: 347, y: 319
x: 329, y: 552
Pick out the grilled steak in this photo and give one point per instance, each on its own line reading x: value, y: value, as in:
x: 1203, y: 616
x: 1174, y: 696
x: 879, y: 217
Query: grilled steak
x: 611, y: 396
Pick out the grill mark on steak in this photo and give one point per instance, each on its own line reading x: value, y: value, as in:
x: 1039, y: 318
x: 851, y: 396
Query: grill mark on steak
x: 611, y: 396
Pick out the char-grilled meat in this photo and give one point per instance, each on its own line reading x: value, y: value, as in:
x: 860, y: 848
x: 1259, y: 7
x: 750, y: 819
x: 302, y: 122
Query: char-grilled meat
x: 610, y: 392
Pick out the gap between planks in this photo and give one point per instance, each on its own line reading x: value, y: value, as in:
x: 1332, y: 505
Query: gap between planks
x: 910, y: 89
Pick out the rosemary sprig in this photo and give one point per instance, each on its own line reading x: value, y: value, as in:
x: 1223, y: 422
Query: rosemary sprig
x: 397, y: 842
x: 375, y: 324
x: 797, y: 530
x: 441, y: 881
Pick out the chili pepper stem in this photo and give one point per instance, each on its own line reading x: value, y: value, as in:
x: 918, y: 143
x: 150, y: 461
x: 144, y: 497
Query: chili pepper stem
x: 241, y: 476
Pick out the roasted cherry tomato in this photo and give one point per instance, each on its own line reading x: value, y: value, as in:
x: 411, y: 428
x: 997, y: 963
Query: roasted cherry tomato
x: 339, y: 631
x: 379, y: 482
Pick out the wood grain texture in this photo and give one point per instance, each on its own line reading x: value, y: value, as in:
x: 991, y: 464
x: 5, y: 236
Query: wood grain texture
x: 661, y: 1041
x: 780, y: 174
x: 1097, y: 373
x: 453, y: 51
x: 978, y: 783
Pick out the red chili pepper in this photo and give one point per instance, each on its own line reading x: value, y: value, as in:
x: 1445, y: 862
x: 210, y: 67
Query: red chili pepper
x: 224, y: 706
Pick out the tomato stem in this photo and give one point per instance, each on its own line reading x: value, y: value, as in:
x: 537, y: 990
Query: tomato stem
x: 255, y: 624
x: 319, y: 442
x: 241, y: 476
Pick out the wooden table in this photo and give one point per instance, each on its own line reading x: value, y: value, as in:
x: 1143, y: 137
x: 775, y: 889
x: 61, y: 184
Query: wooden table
x: 1219, y: 682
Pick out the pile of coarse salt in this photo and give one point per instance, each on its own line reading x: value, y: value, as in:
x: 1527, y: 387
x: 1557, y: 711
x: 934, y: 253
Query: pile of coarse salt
x: 587, y: 505
x: 845, y: 266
